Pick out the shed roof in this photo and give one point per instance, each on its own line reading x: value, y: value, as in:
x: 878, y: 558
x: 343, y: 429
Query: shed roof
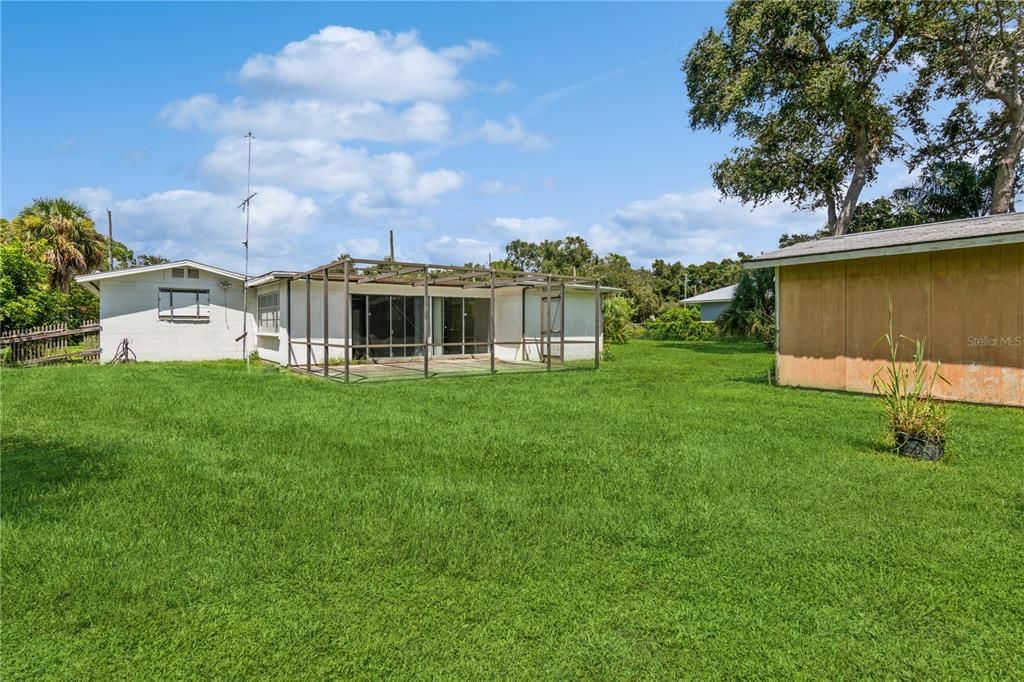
x: 715, y: 296
x: 1007, y: 228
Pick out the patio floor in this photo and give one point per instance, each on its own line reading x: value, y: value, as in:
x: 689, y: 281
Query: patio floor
x: 412, y: 368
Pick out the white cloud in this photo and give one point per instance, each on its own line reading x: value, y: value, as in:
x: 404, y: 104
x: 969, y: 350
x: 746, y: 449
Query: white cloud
x: 499, y: 187
x: 512, y: 131
x: 206, y: 226
x: 359, y: 248
x: 459, y: 250
x: 696, y: 227
x: 532, y: 229
x: 358, y: 65
x: 323, y: 119
x: 309, y: 164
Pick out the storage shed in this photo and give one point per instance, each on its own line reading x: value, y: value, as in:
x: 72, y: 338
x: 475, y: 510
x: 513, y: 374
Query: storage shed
x: 958, y: 285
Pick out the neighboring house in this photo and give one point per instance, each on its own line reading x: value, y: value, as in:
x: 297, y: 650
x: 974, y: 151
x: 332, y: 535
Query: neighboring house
x: 957, y: 285
x: 712, y: 303
x: 190, y: 311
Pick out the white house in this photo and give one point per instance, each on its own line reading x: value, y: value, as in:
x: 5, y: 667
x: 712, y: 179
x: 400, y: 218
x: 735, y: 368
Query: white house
x: 395, y: 312
x: 712, y: 303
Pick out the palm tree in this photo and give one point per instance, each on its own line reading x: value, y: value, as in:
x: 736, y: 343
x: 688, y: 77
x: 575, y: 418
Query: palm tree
x: 71, y: 243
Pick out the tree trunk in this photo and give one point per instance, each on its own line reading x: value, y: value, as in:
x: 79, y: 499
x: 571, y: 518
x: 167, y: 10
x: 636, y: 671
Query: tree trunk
x: 1006, y: 166
x: 857, y: 182
x: 830, y: 202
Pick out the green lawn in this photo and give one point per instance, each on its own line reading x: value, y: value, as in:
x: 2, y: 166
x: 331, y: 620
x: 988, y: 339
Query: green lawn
x: 669, y: 515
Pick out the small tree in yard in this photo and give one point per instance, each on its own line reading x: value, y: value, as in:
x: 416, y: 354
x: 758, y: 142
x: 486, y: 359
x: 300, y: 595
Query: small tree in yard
x: 618, y: 318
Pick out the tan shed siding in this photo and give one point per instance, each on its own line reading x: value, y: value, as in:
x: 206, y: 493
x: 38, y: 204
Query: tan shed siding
x: 967, y: 304
x: 814, y: 340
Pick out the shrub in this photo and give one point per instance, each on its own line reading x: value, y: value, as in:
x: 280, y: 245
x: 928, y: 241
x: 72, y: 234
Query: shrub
x: 680, y: 324
x: 617, y: 315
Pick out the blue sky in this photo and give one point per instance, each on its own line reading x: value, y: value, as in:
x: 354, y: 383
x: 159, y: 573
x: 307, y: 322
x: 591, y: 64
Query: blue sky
x: 460, y: 126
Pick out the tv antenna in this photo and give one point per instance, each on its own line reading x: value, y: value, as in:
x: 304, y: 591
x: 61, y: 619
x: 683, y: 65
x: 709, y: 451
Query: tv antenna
x: 246, y: 207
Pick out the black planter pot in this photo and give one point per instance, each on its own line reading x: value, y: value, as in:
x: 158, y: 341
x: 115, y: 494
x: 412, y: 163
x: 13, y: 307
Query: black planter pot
x: 919, y: 447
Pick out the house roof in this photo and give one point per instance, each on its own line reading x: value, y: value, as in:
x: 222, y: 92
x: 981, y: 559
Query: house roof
x: 715, y: 296
x: 268, y: 277
x: 1006, y: 228
x: 111, y: 274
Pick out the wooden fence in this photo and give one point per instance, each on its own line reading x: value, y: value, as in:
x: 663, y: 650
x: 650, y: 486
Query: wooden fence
x: 51, y: 343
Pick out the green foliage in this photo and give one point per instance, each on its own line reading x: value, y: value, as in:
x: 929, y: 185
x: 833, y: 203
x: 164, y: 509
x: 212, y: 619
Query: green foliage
x: 70, y: 242
x: 681, y: 323
x: 969, y: 54
x: 648, y: 290
x: 907, y: 391
x: 559, y: 256
x: 26, y: 299
x: 751, y: 313
x: 800, y: 83
x: 675, y: 281
x: 41, y: 250
x: 946, y: 190
x: 617, y: 314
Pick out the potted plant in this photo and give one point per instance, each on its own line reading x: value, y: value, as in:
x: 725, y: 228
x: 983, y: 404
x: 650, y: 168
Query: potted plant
x: 917, y: 421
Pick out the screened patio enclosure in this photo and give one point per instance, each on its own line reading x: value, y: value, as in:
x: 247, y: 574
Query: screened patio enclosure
x: 356, y: 319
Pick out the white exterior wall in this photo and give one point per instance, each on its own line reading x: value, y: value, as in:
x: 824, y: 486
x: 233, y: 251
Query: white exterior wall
x: 508, y: 322
x: 129, y: 310
x: 271, y: 345
x: 579, y: 324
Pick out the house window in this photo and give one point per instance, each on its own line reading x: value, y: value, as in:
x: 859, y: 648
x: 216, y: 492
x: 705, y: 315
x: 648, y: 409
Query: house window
x: 268, y: 310
x: 184, y: 304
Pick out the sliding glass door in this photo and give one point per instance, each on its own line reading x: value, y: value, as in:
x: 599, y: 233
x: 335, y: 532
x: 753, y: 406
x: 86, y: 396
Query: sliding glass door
x: 389, y: 322
x: 462, y: 325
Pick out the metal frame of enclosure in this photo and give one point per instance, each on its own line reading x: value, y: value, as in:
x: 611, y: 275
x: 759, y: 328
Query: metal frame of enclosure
x: 424, y: 276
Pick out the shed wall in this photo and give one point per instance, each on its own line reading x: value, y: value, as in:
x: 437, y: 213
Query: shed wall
x: 966, y: 304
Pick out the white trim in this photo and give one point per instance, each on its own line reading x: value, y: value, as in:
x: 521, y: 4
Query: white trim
x: 96, y: 276
x: 920, y: 247
x: 269, y: 277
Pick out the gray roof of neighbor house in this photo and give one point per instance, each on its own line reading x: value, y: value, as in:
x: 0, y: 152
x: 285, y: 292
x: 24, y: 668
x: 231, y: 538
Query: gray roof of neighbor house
x: 715, y: 296
x: 1006, y: 228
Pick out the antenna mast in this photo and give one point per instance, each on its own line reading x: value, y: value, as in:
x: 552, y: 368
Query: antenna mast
x: 246, y: 206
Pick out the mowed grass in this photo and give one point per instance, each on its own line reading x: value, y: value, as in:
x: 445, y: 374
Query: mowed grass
x: 670, y: 515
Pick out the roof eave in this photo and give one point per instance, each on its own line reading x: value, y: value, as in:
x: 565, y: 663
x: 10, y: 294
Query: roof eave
x: 895, y: 250
x: 110, y: 274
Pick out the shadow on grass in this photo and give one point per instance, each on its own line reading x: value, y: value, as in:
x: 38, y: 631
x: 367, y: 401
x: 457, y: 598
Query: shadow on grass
x: 716, y: 347
x: 753, y: 379
x: 38, y: 478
